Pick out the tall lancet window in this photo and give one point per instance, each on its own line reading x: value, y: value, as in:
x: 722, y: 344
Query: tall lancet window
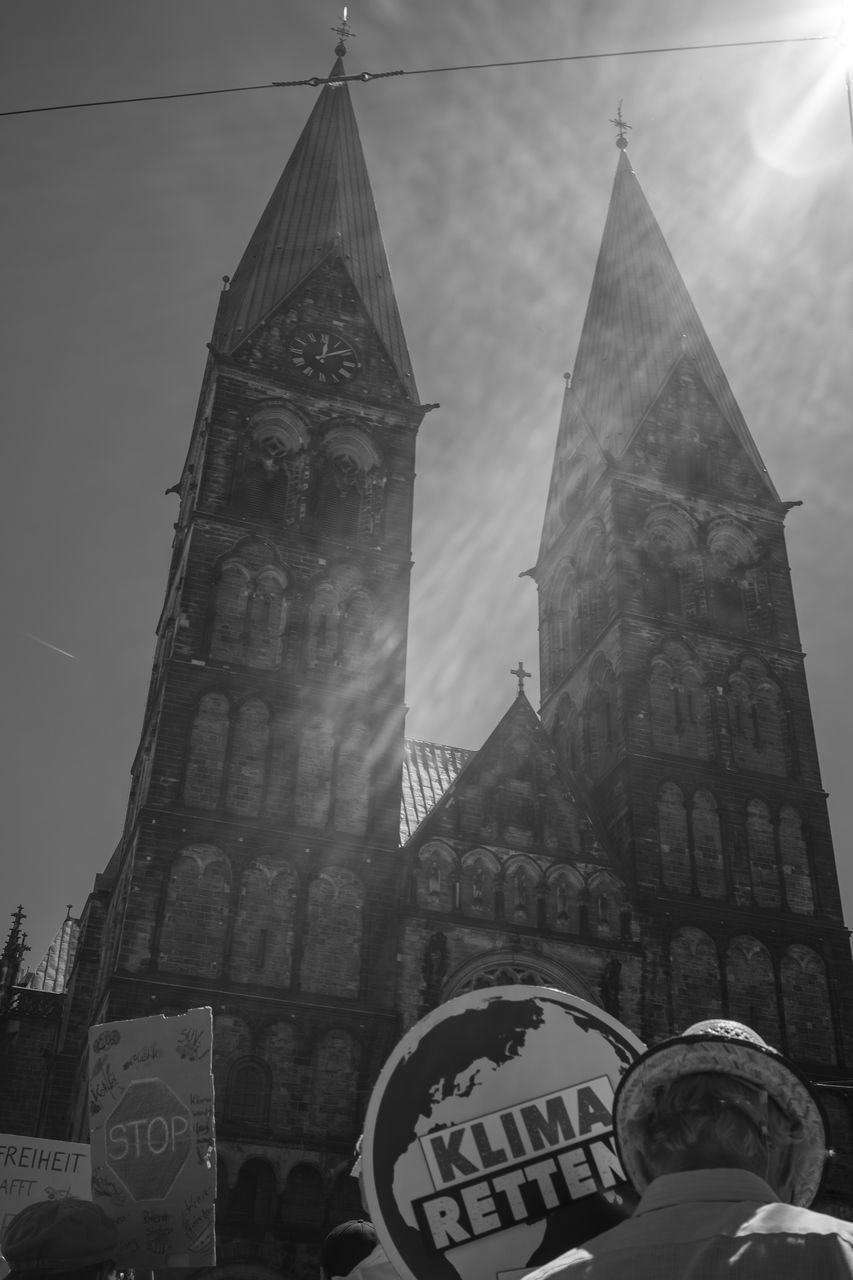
x: 350, y: 487
x: 271, y: 468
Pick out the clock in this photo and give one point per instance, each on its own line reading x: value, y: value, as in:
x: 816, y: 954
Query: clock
x: 323, y: 357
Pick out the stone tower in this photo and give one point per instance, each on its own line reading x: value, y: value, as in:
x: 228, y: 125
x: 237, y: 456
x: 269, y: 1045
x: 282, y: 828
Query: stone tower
x: 672, y: 671
x: 259, y: 857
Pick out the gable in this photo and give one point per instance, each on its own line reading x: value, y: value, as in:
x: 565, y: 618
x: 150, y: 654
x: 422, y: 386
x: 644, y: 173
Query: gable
x: 685, y: 441
x: 513, y: 794
x: 327, y: 302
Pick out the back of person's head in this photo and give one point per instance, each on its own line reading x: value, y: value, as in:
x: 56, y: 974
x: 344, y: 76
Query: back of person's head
x: 719, y: 1096
x: 708, y: 1120
x: 55, y: 1239
x: 345, y: 1247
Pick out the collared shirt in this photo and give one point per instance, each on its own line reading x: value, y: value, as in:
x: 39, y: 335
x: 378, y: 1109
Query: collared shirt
x: 709, y: 1223
x: 377, y: 1267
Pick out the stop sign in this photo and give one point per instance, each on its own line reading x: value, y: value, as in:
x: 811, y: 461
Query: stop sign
x: 149, y: 1134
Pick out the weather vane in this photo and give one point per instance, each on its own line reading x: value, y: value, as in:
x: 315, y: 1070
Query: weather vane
x: 344, y: 32
x: 622, y: 125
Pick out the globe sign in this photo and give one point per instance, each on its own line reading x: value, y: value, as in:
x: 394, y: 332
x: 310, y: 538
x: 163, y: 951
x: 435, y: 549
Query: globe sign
x: 488, y: 1143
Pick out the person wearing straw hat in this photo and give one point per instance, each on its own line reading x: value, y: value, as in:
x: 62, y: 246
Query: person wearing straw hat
x: 725, y: 1140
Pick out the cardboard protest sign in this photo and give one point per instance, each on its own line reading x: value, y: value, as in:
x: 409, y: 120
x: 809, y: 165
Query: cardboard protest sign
x: 152, y: 1134
x: 488, y: 1144
x: 39, y: 1169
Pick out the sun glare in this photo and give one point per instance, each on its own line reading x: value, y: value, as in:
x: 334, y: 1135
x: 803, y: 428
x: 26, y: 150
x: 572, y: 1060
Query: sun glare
x: 844, y: 34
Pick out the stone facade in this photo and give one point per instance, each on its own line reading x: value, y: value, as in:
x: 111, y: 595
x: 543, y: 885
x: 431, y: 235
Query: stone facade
x: 657, y: 842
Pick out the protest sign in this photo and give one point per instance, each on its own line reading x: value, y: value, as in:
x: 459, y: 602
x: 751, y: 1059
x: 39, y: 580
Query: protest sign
x: 488, y: 1144
x: 152, y: 1136
x: 39, y: 1169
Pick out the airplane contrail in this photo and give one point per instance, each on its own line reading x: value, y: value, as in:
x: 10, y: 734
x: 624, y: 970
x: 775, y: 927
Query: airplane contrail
x: 47, y: 645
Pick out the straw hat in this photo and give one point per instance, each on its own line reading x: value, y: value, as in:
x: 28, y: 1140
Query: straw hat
x: 734, y: 1050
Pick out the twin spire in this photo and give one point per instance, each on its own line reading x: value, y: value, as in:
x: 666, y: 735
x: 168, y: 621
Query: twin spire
x: 321, y: 209
x: 640, y: 319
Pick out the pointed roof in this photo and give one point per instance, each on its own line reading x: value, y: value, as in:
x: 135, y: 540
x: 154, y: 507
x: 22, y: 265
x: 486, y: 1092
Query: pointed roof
x: 432, y: 774
x: 56, y: 964
x: 639, y: 321
x: 428, y: 770
x: 322, y: 208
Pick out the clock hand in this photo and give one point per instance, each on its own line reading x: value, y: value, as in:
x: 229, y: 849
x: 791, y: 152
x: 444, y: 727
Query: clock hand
x: 325, y: 351
x: 338, y: 351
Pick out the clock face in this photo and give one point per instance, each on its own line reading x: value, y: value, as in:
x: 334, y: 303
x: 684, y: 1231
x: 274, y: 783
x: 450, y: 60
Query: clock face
x: 326, y: 358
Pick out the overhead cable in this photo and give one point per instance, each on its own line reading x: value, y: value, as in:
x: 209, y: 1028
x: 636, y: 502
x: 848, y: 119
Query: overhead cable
x: 367, y: 76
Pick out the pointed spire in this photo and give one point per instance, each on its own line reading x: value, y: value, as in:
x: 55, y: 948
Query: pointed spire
x: 322, y: 208
x: 640, y: 320
x: 16, y: 940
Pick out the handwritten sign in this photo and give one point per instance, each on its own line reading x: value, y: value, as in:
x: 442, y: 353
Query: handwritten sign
x: 39, y: 1169
x: 488, y: 1143
x: 152, y: 1133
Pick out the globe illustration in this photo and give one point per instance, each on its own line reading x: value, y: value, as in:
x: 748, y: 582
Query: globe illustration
x: 488, y: 1145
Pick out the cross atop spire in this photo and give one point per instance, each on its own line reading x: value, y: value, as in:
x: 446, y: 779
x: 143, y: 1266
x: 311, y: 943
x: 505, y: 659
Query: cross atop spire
x: 622, y: 125
x: 344, y: 32
x: 521, y: 674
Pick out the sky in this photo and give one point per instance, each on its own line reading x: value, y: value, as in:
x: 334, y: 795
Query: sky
x: 117, y: 224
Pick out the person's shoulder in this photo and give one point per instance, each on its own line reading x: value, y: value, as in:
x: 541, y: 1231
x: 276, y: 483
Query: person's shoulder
x: 568, y: 1263
x: 798, y: 1221
x: 375, y: 1266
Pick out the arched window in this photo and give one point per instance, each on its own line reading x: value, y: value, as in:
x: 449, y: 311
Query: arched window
x: 357, y: 624
x: 331, y: 958
x: 192, y: 937
x: 254, y: 1196
x: 563, y: 906
x: 278, y: 1047
x: 247, y: 763
x: 670, y: 567
x: 324, y: 618
x: 435, y: 877
x: 280, y: 781
x: 271, y: 466
x: 605, y: 906
x: 304, y: 1200
x: 676, y: 869
x: 757, y: 721
x: 477, y: 889
x: 334, y: 1085
x: 808, y: 1013
x: 262, y: 946
x: 248, y: 622
x: 761, y: 847
x: 266, y: 620
x: 247, y: 1097
x: 695, y: 970
x: 231, y: 1040
x: 339, y: 498
x: 352, y: 786
x: 796, y: 872
x: 708, y: 846
x: 600, y: 718
x: 207, y: 748
x: 228, y: 634
x: 350, y: 486
x: 752, y: 988
x: 314, y: 773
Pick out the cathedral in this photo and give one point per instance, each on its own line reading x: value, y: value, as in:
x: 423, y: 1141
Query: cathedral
x: 654, y: 838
